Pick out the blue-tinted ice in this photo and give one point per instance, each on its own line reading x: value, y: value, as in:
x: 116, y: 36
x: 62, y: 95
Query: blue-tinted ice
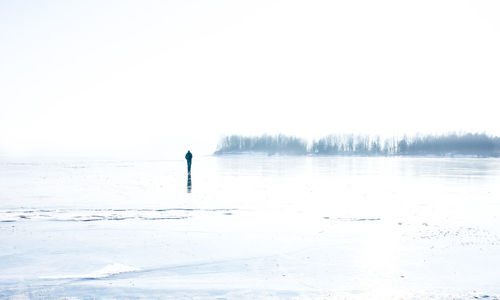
x: 251, y: 227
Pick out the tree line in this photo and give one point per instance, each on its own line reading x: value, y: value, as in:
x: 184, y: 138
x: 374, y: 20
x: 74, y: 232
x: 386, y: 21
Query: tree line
x: 350, y: 144
x: 270, y: 144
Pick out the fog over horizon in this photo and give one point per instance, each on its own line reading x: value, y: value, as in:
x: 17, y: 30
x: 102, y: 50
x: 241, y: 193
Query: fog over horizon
x: 151, y: 79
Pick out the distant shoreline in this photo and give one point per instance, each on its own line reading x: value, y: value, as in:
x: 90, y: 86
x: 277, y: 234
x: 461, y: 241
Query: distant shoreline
x: 451, y: 145
x: 450, y: 155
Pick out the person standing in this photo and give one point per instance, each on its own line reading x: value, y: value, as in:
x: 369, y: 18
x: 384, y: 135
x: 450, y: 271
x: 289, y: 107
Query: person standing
x: 189, y: 157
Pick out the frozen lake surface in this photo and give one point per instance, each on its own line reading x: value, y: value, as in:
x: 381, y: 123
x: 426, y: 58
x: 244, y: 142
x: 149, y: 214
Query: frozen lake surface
x: 251, y: 227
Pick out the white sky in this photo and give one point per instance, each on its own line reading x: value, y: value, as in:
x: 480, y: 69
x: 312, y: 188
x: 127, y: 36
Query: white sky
x: 155, y: 78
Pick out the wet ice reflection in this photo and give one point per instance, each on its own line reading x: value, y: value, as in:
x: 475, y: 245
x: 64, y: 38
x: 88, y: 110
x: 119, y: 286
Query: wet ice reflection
x: 189, y: 184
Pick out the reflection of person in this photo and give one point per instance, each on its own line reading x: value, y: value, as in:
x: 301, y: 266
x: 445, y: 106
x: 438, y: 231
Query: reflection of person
x: 189, y: 157
x: 189, y: 184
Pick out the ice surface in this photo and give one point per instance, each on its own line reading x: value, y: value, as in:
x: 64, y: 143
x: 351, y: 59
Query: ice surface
x: 251, y: 227
x: 107, y: 271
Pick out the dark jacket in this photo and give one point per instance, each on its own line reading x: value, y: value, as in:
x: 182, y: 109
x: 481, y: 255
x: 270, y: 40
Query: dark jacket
x: 189, y: 156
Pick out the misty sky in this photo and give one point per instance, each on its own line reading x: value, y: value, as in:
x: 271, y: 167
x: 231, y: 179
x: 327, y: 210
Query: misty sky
x: 155, y: 78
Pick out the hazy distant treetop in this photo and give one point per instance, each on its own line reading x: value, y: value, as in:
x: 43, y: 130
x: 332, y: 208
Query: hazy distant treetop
x: 281, y: 144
